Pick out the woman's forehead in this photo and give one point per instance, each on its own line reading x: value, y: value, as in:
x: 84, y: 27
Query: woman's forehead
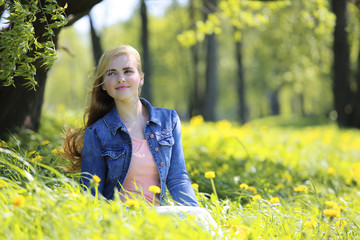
x: 122, y: 61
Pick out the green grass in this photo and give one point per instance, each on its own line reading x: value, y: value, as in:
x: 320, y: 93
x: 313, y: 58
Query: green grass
x: 269, y: 156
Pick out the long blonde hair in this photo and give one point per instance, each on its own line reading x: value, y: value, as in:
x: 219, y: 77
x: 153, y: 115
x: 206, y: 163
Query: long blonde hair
x: 101, y: 103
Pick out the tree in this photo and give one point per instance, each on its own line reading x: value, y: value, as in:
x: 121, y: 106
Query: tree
x: 96, y: 42
x: 346, y: 98
x: 146, y: 90
x: 29, y: 44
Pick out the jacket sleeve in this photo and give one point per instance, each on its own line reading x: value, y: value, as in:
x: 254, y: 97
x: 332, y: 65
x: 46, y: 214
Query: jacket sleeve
x: 92, y: 162
x: 178, y: 181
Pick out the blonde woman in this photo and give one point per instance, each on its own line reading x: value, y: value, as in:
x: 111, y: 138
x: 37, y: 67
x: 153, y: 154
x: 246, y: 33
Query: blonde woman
x: 129, y: 144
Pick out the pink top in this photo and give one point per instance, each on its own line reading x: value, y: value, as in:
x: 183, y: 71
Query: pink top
x: 142, y: 173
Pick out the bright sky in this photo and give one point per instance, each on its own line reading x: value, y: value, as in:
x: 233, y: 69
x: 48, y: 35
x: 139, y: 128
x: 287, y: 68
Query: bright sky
x: 109, y: 12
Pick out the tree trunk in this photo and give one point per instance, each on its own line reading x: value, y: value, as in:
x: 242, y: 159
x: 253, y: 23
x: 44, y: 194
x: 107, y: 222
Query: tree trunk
x: 146, y: 89
x: 21, y: 107
x: 273, y: 96
x: 242, y: 107
x: 211, y: 87
x: 195, y: 95
x: 343, y: 96
x: 96, y: 42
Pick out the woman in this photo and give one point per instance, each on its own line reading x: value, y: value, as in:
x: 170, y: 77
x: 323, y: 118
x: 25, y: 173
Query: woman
x: 129, y: 144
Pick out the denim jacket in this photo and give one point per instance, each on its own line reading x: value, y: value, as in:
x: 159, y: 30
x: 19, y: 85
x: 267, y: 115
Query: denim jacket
x: 107, y: 153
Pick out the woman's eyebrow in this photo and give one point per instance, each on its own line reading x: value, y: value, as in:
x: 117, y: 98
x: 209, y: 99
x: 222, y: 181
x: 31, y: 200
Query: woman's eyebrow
x: 110, y: 70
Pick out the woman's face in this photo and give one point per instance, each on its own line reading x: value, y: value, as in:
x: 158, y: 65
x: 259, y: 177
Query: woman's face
x: 122, y: 79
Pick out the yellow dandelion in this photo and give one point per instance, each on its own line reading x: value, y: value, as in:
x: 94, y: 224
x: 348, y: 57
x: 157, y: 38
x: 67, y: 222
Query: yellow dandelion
x: 253, y: 190
x: 310, y: 224
x: 244, y: 186
x: 287, y: 238
x: 96, y: 178
x: 332, y: 212
x: 37, y: 158
x: 210, y: 174
x: 19, y: 201
x: 3, y: 143
x: 341, y: 223
x: 257, y: 197
x: 331, y: 171
x: 1, y: 185
x: 301, y: 188
x: 132, y: 203
x: 195, y: 187
x: 196, y: 120
x: 32, y: 153
x: 45, y: 142
x: 331, y: 204
x: 154, y: 189
x: 274, y: 200
x: 57, y: 151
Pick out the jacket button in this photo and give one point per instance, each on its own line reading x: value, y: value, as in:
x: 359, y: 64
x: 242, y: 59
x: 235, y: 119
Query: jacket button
x: 156, y: 149
x: 152, y: 135
x: 162, y: 164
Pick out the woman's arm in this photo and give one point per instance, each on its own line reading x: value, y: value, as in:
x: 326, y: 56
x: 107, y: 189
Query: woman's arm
x: 92, y: 162
x: 178, y: 181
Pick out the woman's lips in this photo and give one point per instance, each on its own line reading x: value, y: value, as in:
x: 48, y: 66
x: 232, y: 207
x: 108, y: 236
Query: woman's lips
x: 122, y: 87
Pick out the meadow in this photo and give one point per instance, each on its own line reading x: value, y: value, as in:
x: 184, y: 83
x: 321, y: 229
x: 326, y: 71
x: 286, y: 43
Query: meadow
x: 273, y: 178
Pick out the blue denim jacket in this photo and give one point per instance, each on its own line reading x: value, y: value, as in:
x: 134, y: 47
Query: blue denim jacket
x: 107, y: 153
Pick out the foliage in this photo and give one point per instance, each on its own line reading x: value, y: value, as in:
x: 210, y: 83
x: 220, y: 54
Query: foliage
x: 275, y: 179
x: 21, y: 47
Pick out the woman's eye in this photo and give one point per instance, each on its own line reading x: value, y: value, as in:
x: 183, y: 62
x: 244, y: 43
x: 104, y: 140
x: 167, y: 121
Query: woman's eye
x: 128, y: 71
x: 111, y: 74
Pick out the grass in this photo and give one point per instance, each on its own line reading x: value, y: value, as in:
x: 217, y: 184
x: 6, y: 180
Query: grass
x: 272, y: 181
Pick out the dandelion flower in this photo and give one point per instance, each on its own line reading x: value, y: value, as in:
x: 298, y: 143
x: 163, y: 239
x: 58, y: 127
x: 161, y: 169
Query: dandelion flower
x: 341, y: 223
x: 244, y: 186
x: 253, y: 190
x: 301, y: 188
x: 195, y: 187
x: 154, y: 189
x: 133, y: 203
x: 96, y: 178
x: 45, y: 142
x: 274, y: 200
x: 196, y: 120
x: 210, y: 174
x: 37, y: 158
x: 57, y: 151
x: 331, y: 204
x: 257, y: 197
x: 310, y: 224
x: 1, y: 185
x: 332, y: 212
x: 331, y: 171
x: 287, y: 238
x: 19, y: 201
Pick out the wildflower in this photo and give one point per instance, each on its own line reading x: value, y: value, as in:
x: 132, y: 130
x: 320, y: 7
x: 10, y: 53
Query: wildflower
x: 257, y: 197
x: 331, y: 204
x: 37, y: 158
x: 154, y: 189
x: 195, y: 187
x: 57, y: 151
x: 132, y: 203
x: 332, y: 212
x: 310, y: 224
x: 341, y: 223
x: 331, y: 171
x: 19, y: 201
x: 2, y: 143
x: 32, y: 153
x: 244, y: 186
x: 45, y: 142
x: 210, y: 174
x: 96, y: 178
x: 274, y: 200
x: 196, y: 120
x: 1, y: 185
x: 287, y: 238
x: 253, y: 190
x: 301, y: 188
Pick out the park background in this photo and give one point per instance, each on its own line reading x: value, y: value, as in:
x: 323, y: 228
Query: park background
x: 267, y: 91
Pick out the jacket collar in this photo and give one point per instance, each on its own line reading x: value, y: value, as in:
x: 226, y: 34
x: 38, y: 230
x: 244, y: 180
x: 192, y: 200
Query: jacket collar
x: 113, y: 122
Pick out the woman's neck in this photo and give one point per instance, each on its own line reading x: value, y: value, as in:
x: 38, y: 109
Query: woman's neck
x: 130, y: 111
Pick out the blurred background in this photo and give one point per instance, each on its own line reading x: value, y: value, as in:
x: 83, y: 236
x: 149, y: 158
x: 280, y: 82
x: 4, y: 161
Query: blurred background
x: 211, y: 58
